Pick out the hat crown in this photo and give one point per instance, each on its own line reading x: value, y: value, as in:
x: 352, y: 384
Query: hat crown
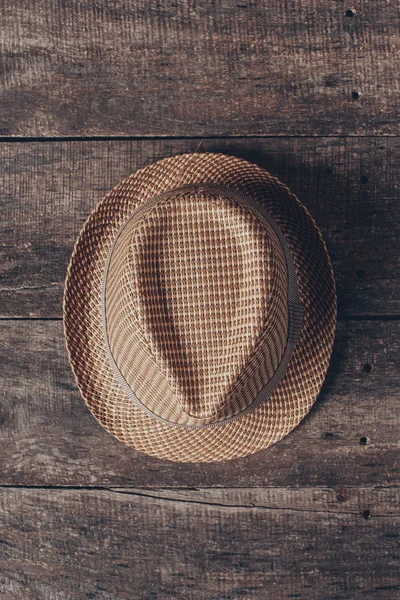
x: 196, y: 305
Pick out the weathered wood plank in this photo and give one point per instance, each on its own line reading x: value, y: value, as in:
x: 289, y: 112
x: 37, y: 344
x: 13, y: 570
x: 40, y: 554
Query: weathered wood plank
x: 199, y: 545
x: 351, y: 186
x: 134, y: 67
x: 48, y: 437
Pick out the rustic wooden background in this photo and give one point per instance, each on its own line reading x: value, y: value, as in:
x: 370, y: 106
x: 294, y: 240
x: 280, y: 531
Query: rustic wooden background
x: 90, y: 91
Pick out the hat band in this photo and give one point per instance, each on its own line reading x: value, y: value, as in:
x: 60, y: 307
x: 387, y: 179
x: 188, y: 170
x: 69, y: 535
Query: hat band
x: 295, y: 308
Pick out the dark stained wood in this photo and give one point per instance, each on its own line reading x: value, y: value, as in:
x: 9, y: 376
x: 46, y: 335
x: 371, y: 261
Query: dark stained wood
x: 134, y: 67
x: 315, y: 517
x: 199, y: 545
x: 351, y: 186
x: 48, y: 437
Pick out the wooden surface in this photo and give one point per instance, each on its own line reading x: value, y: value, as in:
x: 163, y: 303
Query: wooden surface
x: 315, y: 517
x: 195, y: 544
x: 134, y: 67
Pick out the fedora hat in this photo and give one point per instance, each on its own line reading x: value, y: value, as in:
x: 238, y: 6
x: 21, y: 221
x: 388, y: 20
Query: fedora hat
x: 200, y: 309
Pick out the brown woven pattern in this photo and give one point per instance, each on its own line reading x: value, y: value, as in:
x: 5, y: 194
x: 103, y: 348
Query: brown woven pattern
x: 300, y: 386
x: 196, y: 290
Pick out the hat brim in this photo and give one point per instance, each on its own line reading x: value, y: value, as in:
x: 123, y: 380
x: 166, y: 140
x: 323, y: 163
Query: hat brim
x: 301, y: 384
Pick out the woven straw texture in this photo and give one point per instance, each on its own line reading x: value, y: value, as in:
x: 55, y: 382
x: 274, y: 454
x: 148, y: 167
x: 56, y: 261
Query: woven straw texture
x: 196, y: 298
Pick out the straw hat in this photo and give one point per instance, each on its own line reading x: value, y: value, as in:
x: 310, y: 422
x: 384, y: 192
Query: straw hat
x: 199, y: 309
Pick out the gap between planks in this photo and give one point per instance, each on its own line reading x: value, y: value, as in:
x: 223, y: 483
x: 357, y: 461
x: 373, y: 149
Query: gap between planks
x: 166, y: 138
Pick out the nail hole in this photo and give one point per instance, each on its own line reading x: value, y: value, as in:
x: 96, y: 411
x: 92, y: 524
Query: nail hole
x: 364, y: 440
x: 367, y: 368
x: 363, y: 179
x: 360, y: 273
x: 328, y: 171
x: 331, y: 435
x: 366, y: 514
x: 350, y: 12
x: 355, y: 95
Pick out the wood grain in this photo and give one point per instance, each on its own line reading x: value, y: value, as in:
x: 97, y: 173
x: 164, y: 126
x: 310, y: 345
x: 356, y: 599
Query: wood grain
x: 48, y: 437
x: 209, y: 544
x: 351, y: 186
x: 133, y: 67
x: 279, y: 83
